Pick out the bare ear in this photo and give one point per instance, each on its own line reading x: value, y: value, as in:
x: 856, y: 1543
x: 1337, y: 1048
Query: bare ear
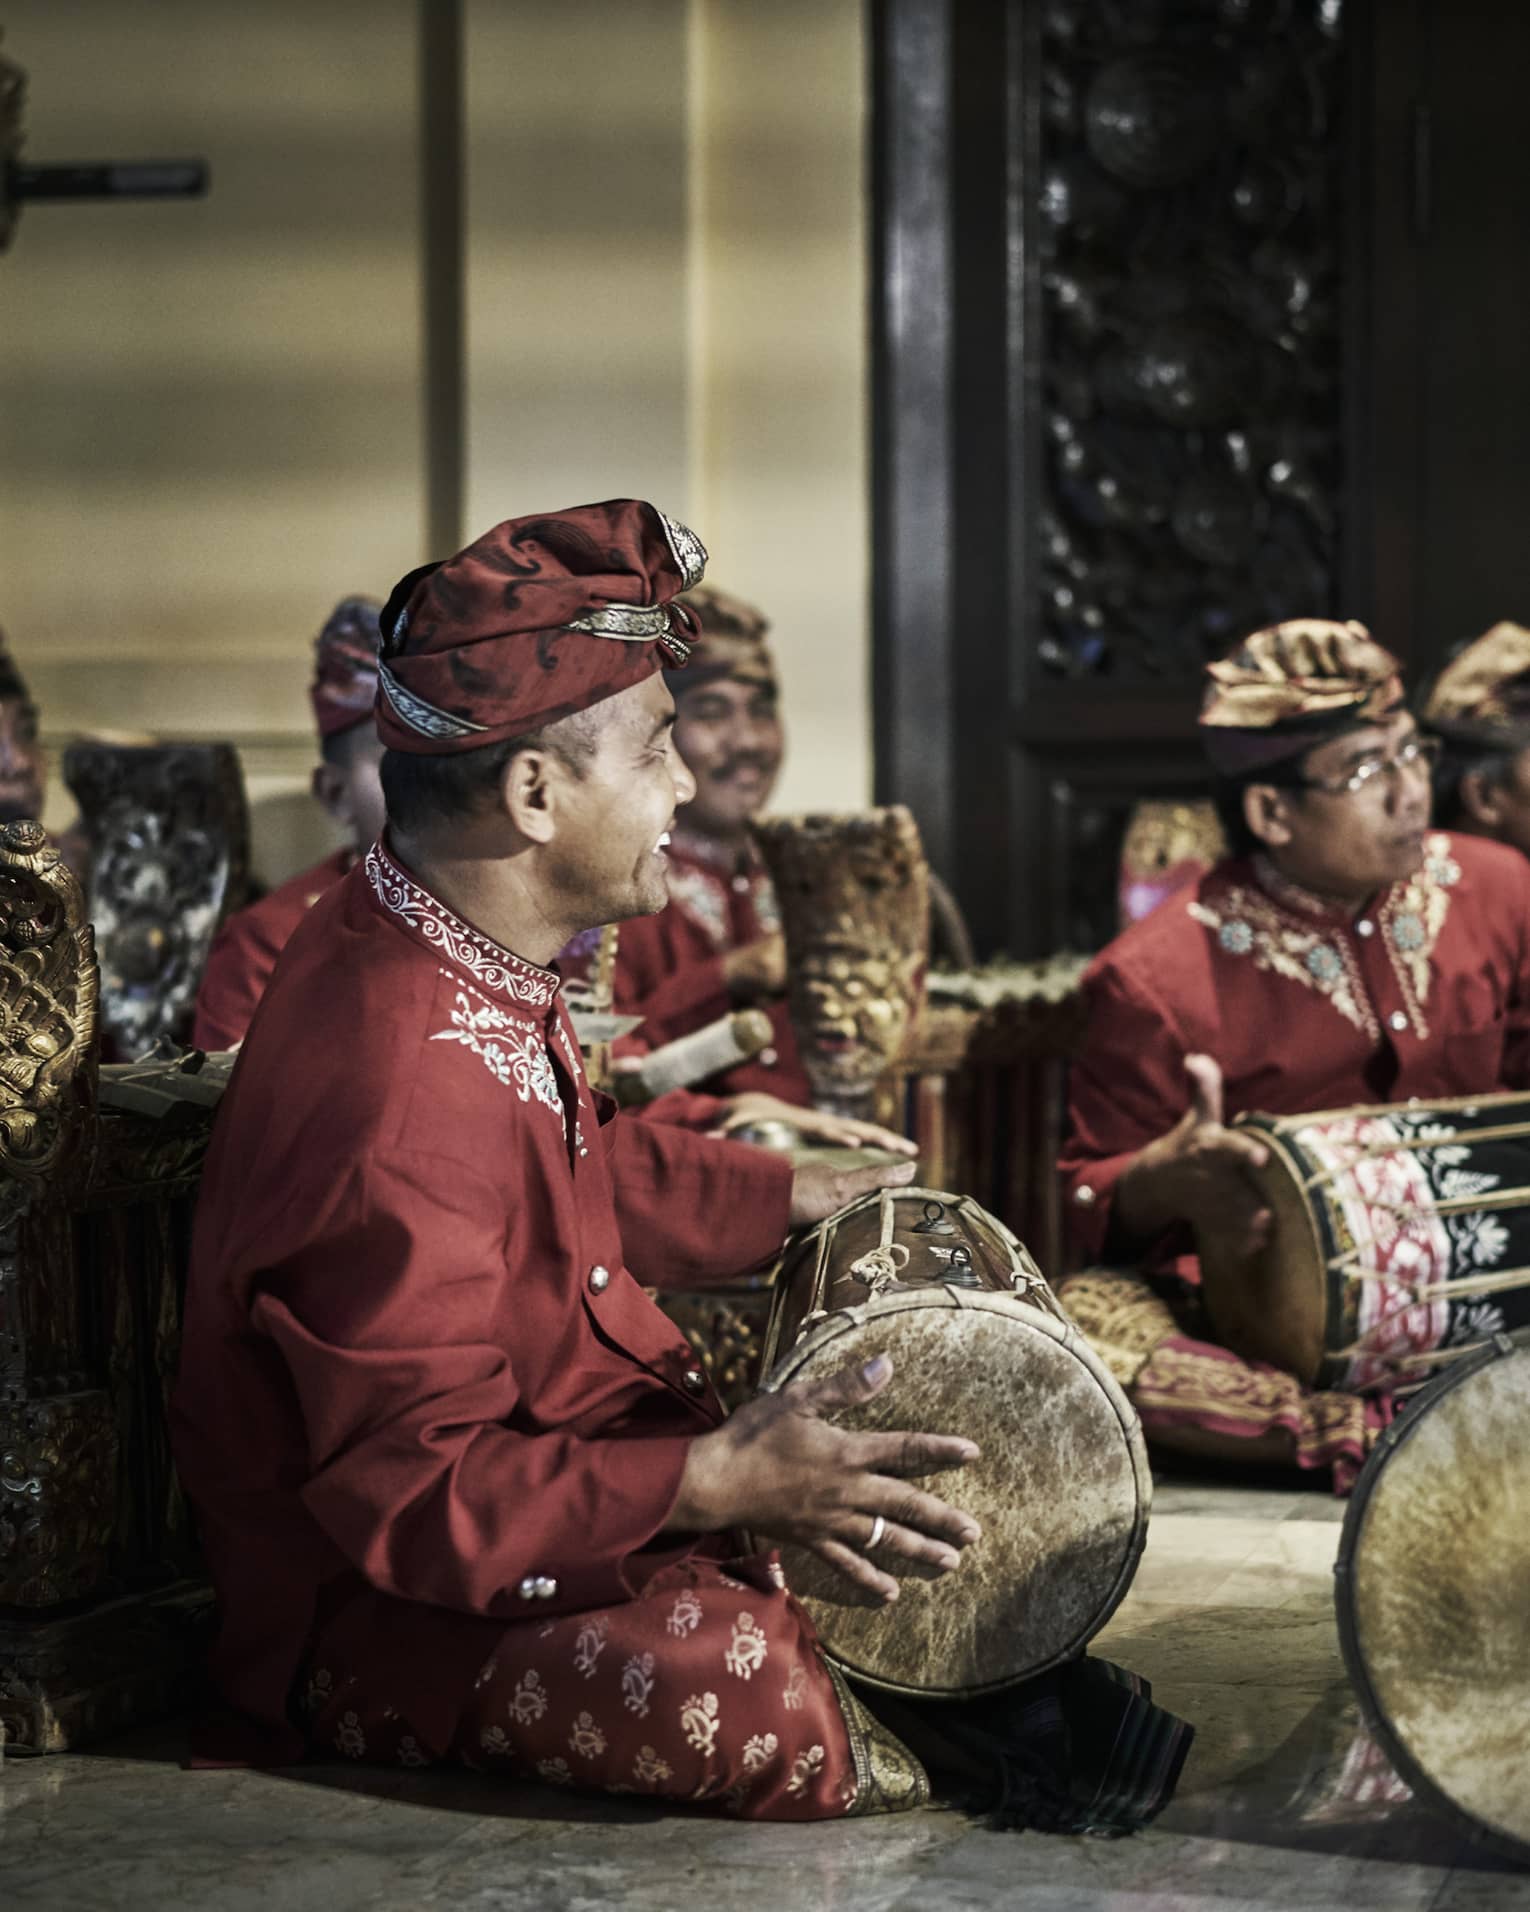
x: 1482, y: 801
x: 527, y: 794
x: 330, y: 793
x: 1267, y: 812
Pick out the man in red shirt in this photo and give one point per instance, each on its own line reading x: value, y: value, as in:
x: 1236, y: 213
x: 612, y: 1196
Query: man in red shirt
x: 464, y: 1494
x: 1343, y: 954
x: 718, y: 945
x: 346, y: 784
x: 1479, y: 709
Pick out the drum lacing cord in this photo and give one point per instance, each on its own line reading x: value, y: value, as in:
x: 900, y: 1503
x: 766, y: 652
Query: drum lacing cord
x: 1421, y: 1297
x: 880, y: 1267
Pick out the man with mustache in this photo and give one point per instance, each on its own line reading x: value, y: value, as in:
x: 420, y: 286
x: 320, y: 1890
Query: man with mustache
x: 1342, y: 954
x: 718, y: 946
x: 346, y: 784
x: 465, y: 1497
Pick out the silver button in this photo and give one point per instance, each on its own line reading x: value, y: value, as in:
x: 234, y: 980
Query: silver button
x: 545, y: 1588
x: 1398, y: 1020
x: 1365, y: 927
x: 695, y: 1380
x: 600, y: 1279
x: 1083, y: 1196
x: 769, y: 1058
x: 528, y: 1588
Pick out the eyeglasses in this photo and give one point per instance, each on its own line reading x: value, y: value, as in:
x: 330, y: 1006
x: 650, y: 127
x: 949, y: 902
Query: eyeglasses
x: 1417, y: 756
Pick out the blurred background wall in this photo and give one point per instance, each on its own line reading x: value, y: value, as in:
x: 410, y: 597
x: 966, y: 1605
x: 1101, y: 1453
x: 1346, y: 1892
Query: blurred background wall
x: 213, y: 417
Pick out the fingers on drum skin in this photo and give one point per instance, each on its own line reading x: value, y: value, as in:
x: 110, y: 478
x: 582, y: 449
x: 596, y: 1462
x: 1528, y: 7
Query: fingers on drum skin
x: 847, y: 1388
x: 905, y: 1507
x: 903, y: 1547
x: 912, y: 1456
x: 857, y: 1570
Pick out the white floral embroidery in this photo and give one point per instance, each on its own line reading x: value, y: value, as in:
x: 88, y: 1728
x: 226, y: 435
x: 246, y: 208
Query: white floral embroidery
x: 777, y: 1575
x: 685, y: 1616
x: 699, y: 1720
x: 649, y: 1768
x: 555, y: 1771
x: 490, y: 1668
x: 587, y: 1740
x: 804, y: 1766
x: 590, y: 1644
x: 409, y: 1753
x: 795, y: 1695
x: 637, y: 1684
x: 1480, y: 1239
x: 570, y: 1050
x: 490, y: 966
x: 1474, y: 1321
x: 703, y: 899
x: 759, y: 1749
x: 350, y: 1739
x: 747, y: 1652
x: 513, y: 1054
x: 529, y: 1700
x: 494, y: 1739
x: 321, y: 1690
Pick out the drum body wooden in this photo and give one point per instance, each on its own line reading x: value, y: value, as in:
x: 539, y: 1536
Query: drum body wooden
x: 1402, y: 1236
x: 1433, y: 1592
x: 980, y: 1348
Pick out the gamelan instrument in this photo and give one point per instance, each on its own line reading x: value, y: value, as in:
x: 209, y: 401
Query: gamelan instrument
x: 1401, y: 1238
x: 1433, y: 1592
x: 980, y: 1348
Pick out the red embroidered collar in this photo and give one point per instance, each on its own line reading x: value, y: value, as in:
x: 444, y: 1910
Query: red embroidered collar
x: 496, y: 970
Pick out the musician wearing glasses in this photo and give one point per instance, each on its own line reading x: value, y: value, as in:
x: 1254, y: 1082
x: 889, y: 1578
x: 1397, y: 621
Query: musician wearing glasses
x: 1343, y: 953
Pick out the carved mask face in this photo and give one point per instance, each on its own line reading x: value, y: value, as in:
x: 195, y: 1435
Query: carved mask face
x: 854, y: 1003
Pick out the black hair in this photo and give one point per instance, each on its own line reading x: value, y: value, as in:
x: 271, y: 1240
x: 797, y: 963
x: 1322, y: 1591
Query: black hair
x: 422, y: 791
x: 1460, y: 758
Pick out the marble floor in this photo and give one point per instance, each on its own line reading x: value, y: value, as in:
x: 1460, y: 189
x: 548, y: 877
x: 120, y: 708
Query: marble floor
x: 1231, y: 1617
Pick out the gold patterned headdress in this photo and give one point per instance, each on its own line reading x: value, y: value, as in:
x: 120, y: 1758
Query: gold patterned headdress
x: 1284, y: 690
x: 730, y: 642
x: 1482, y: 696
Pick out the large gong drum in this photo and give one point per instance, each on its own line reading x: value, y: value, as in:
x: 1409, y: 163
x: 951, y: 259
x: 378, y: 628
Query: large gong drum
x: 1401, y: 1236
x: 980, y: 1348
x: 1433, y: 1590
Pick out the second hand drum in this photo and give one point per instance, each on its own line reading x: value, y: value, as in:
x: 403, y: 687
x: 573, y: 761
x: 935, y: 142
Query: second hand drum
x: 981, y: 1349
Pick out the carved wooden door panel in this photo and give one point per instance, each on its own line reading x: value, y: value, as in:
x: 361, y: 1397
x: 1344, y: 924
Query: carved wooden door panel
x: 1117, y: 300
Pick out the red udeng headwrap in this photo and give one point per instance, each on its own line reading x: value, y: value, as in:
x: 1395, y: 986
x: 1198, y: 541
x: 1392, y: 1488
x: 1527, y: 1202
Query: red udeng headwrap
x: 537, y: 619
x: 344, y: 687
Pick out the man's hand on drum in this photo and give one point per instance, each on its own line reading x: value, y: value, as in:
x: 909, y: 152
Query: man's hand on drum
x: 779, y: 1467
x: 1198, y: 1173
x: 820, y: 1190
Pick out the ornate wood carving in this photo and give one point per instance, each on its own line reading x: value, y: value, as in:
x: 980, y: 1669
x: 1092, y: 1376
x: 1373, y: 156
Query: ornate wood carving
x: 855, y: 908
x: 1189, y: 272
x: 169, y: 839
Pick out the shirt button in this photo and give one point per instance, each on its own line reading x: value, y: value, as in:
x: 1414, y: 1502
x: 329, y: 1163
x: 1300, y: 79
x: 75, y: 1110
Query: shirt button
x: 600, y: 1280
x: 545, y: 1588
x: 1398, y: 1020
x: 769, y: 1058
x: 695, y: 1381
x: 1083, y: 1196
x: 741, y: 886
x: 1365, y: 927
x: 528, y: 1588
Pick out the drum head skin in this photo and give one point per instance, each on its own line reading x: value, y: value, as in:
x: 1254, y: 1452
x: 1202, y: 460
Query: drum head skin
x: 1433, y: 1590
x: 1061, y: 1492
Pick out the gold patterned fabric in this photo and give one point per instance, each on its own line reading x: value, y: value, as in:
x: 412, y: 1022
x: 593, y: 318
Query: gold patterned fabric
x: 730, y: 642
x: 1123, y: 1318
x: 1483, y: 693
x: 1282, y: 689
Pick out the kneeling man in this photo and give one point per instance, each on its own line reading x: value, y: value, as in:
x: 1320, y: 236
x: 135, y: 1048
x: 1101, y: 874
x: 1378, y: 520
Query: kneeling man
x: 464, y: 1494
x: 1343, y: 954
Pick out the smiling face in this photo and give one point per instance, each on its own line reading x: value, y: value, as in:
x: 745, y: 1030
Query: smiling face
x: 21, y: 760
x: 614, y: 809
x: 1347, y: 844
x: 728, y: 730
